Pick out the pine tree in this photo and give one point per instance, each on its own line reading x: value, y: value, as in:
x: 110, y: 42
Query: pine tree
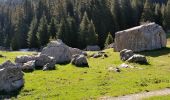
x: 87, y: 32
x: 42, y: 33
x: 73, y: 31
x: 127, y: 12
x: 53, y: 28
x: 148, y: 13
x: 116, y: 12
x: 158, y: 15
x: 15, y: 43
x: 2, y: 37
x: 83, y: 32
x: 32, y: 34
x: 167, y: 16
x: 109, y: 40
x: 92, y: 35
x: 63, y: 32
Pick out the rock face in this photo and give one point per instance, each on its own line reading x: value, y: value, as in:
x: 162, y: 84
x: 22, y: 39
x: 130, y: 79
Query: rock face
x: 93, y: 48
x: 59, y: 51
x: 11, y: 77
x: 145, y: 37
x: 79, y: 60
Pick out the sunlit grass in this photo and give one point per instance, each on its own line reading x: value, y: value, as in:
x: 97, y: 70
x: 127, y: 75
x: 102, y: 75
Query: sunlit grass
x: 69, y: 82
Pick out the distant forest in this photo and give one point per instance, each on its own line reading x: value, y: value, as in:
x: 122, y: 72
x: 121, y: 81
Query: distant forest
x: 33, y: 23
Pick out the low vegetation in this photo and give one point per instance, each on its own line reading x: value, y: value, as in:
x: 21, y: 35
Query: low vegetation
x: 69, y: 82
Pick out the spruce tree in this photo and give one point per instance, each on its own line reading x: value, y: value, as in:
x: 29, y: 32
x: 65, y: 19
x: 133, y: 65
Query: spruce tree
x: 92, y: 35
x: 158, y: 15
x: 73, y: 31
x: 32, y: 34
x: 109, y: 40
x: 87, y: 32
x: 127, y: 12
x: 53, y: 28
x: 116, y: 12
x: 167, y: 16
x: 42, y: 33
x: 148, y: 13
x: 63, y: 32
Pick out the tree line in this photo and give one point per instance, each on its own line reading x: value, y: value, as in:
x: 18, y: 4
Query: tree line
x: 78, y: 23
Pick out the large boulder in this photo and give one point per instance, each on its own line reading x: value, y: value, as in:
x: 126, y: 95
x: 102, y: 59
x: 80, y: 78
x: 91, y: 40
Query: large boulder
x: 126, y: 54
x: 137, y: 58
x: 75, y: 51
x: 11, y: 77
x: 145, y: 37
x: 93, y: 48
x: 29, y: 66
x: 59, y: 51
x: 42, y: 60
x: 25, y: 58
x: 79, y: 60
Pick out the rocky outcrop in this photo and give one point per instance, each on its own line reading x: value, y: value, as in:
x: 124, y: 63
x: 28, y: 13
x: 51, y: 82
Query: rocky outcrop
x: 59, y: 51
x: 145, y: 37
x: 11, y: 77
x: 79, y: 60
x: 93, y: 48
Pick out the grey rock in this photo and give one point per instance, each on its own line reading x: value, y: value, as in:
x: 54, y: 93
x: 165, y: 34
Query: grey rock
x: 7, y: 64
x: 11, y: 77
x: 29, y: 66
x: 126, y: 54
x: 25, y: 58
x: 59, y: 51
x: 125, y: 66
x: 48, y: 66
x: 145, y: 37
x: 42, y: 60
x: 137, y: 58
x: 75, y: 51
x: 79, y: 60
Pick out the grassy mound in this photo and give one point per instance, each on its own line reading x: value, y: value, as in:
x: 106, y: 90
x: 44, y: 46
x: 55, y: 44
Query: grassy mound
x: 69, y: 82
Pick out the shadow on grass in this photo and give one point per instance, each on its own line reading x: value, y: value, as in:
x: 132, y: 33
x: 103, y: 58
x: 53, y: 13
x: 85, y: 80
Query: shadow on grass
x: 157, y: 53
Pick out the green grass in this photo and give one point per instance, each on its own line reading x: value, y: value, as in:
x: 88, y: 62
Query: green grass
x: 69, y: 82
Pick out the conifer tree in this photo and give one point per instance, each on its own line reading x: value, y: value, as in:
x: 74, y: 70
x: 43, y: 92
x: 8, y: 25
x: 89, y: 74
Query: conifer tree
x: 53, y: 28
x: 158, y: 15
x: 109, y: 40
x: 42, y: 33
x: 87, y: 32
x: 148, y: 13
x: 167, y: 16
x: 32, y: 34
